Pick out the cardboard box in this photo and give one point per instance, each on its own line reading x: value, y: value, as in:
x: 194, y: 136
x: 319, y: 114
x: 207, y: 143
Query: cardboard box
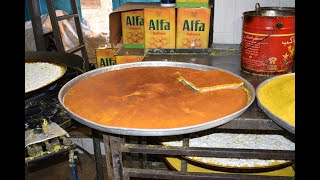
x: 132, y: 29
x: 160, y: 28
x: 193, y: 3
x: 193, y: 26
x: 105, y: 56
x: 115, y: 27
x: 125, y: 55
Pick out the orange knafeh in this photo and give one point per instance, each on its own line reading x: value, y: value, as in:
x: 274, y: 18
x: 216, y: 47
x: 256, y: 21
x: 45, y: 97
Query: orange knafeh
x: 151, y: 98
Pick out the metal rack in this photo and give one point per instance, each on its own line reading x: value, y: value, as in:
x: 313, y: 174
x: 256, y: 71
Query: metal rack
x: 119, y: 149
x: 116, y: 146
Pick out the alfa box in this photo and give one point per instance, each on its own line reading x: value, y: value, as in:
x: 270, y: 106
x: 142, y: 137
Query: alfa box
x: 193, y: 26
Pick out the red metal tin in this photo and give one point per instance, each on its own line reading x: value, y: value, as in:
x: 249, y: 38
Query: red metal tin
x: 268, y: 41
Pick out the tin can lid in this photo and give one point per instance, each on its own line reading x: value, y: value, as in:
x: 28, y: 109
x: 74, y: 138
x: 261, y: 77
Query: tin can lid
x: 270, y: 13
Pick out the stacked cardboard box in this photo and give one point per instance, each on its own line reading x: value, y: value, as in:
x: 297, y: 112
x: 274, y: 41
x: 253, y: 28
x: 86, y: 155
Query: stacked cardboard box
x: 150, y: 26
x: 160, y: 28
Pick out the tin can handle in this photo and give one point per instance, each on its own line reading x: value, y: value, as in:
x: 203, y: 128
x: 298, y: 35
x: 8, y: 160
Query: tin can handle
x: 257, y: 7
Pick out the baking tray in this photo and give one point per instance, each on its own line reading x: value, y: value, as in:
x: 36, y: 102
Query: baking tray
x: 174, y: 163
x: 272, y: 116
x: 62, y: 66
x: 235, y: 141
x: 153, y: 132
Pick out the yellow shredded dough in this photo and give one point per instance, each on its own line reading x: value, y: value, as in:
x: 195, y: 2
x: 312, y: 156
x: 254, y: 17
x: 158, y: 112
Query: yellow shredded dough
x: 278, y: 96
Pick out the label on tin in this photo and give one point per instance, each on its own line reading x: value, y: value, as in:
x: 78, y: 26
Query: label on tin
x: 264, y: 53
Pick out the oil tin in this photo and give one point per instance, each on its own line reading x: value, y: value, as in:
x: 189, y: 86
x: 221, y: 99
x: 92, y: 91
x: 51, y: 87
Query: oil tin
x: 105, y: 56
x: 124, y: 55
x: 268, y: 41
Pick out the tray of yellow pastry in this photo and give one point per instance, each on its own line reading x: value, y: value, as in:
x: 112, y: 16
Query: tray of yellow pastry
x: 236, y: 141
x: 276, y: 97
x: 174, y: 163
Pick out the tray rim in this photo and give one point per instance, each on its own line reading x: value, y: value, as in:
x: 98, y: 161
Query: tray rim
x: 154, y: 132
x: 272, y: 116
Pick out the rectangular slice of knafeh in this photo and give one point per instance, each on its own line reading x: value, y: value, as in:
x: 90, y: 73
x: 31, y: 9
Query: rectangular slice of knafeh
x: 205, y: 81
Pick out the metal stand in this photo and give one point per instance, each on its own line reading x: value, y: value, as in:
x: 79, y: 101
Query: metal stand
x: 115, y: 147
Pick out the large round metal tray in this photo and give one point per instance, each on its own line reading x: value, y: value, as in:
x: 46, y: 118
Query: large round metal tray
x: 153, y: 132
x: 282, y: 123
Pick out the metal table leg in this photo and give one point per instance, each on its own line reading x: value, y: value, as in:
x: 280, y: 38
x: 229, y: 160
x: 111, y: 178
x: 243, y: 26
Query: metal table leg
x: 106, y: 140
x: 96, y: 136
x: 114, y: 156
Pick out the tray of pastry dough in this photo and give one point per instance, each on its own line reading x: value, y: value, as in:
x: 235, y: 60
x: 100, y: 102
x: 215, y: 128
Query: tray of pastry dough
x: 276, y: 97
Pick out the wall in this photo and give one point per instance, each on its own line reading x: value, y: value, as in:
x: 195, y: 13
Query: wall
x: 98, y: 18
x: 228, y: 17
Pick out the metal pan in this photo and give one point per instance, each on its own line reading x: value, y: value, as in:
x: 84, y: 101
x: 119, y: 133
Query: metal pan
x: 282, y: 123
x: 175, y: 164
x: 153, y: 132
x: 62, y: 66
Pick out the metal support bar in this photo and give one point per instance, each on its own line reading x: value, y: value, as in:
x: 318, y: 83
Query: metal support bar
x: 116, y: 156
x: 142, y: 157
x: 110, y: 174
x: 37, y: 25
x: 251, y: 124
x: 96, y: 136
x: 184, y: 164
x: 210, y: 152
